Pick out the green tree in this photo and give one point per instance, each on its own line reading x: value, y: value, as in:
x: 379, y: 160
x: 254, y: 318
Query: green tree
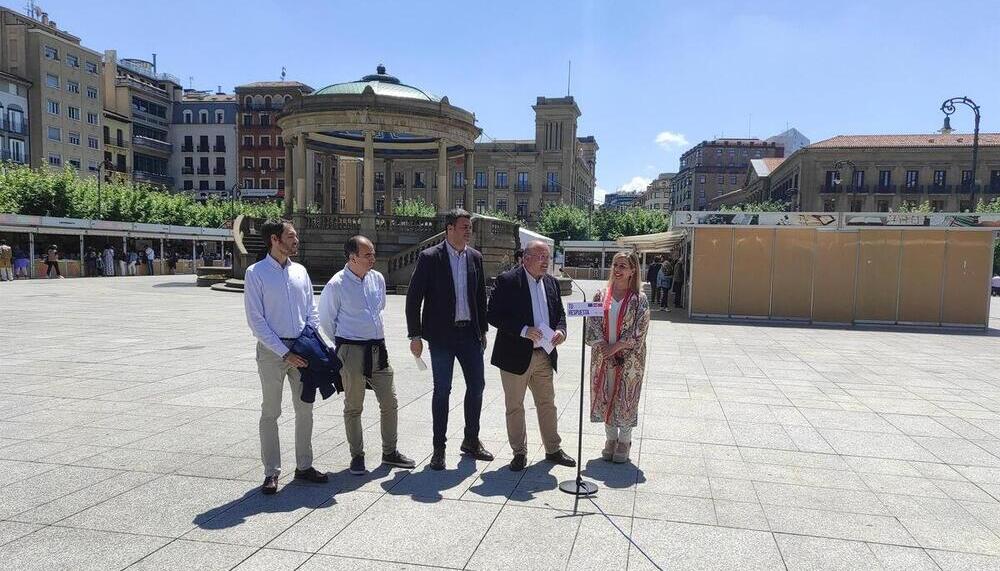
x: 503, y: 215
x: 613, y: 224
x: 564, y: 222
x: 990, y: 207
x: 417, y: 208
x: 765, y: 206
x: 923, y: 207
x: 68, y: 195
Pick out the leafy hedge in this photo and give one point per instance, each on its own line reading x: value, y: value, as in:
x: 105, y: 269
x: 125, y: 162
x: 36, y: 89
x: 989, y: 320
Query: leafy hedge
x: 66, y: 194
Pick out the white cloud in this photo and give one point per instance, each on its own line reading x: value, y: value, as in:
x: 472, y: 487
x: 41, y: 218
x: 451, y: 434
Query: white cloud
x: 666, y: 139
x: 636, y: 183
x: 599, y: 195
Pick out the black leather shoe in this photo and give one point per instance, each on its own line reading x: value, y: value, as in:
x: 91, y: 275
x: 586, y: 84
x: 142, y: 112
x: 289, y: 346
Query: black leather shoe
x: 518, y: 463
x: 270, y: 486
x: 437, y: 459
x: 311, y: 475
x: 560, y: 457
x: 476, y: 450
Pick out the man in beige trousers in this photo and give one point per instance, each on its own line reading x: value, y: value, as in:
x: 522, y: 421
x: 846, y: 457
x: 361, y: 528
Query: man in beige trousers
x: 527, y: 311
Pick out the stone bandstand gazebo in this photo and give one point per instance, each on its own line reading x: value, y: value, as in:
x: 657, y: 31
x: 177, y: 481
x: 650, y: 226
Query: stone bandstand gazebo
x: 382, y: 122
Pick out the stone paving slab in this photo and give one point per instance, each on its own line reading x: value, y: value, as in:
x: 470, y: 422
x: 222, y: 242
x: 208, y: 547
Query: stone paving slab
x: 128, y: 439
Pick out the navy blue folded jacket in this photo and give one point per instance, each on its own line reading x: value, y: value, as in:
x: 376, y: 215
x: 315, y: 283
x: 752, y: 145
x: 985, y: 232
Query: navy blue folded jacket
x: 323, y: 372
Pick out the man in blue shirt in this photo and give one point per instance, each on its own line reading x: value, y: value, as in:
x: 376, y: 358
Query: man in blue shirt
x: 350, y: 311
x: 278, y: 299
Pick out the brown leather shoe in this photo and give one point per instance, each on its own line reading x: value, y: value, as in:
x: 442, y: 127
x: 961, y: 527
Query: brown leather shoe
x: 561, y: 458
x: 270, y: 486
x: 311, y: 475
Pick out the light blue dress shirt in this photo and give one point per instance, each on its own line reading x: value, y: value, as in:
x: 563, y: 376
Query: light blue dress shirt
x: 278, y: 301
x: 351, y: 307
x: 459, y: 274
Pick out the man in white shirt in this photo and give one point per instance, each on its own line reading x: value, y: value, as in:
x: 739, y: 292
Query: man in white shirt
x: 278, y: 298
x: 150, y: 258
x: 350, y: 312
x: 995, y: 284
x: 530, y: 320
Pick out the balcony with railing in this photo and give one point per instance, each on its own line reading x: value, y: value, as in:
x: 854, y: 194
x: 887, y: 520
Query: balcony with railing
x: 522, y: 187
x: 15, y: 127
x: 912, y: 188
x: 187, y: 148
x: 940, y: 188
x: 218, y: 148
x: 992, y: 188
x: 153, y: 178
x: 203, y: 148
x: 260, y: 107
x: 550, y: 187
x: 219, y: 171
x: 885, y: 188
x: 187, y: 170
x: 154, y: 144
x: 204, y: 170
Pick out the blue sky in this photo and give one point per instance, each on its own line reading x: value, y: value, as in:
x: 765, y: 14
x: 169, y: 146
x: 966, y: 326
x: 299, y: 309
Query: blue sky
x: 678, y: 72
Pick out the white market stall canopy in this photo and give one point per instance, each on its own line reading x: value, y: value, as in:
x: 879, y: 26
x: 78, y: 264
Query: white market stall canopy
x: 77, y: 226
x: 659, y: 242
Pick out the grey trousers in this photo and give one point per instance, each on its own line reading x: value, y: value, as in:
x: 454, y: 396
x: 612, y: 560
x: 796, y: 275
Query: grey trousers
x: 352, y: 373
x: 272, y: 372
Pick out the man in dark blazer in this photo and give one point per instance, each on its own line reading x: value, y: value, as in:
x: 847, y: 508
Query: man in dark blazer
x: 450, y: 285
x: 526, y: 310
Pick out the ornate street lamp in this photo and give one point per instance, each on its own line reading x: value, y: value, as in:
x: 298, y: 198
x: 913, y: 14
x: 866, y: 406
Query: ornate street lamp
x: 854, y: 178
x: 948, y: 107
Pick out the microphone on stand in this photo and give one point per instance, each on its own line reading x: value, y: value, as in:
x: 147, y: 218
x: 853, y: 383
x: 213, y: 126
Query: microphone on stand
x: 579, y: 487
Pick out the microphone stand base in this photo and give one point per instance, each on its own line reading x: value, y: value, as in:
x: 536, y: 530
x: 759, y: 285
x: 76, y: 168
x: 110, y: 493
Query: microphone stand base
x: 578, y: 487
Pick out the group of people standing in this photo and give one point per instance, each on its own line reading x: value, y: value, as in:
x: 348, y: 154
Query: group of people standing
x: 446, y: 307
x: 110, y: 262
x: 667, y: 275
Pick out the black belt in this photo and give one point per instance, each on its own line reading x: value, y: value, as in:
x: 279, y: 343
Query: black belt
x: 463, y: 323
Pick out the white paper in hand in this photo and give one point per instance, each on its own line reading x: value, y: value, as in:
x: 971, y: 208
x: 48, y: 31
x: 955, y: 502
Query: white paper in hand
x: 421, y: 365
x: 547, y: 335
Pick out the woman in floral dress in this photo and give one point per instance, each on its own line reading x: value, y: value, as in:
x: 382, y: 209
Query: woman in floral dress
x: 618, y: 355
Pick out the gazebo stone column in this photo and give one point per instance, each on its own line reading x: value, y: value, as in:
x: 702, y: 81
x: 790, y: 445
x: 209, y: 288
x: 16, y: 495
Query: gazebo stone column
x: 301, y: 173
x: 289, y: 180
x: 470, y: 179
x: 388, y: 188
x: 442, y: 176
x: 327, y: 191
x: 369, y: 174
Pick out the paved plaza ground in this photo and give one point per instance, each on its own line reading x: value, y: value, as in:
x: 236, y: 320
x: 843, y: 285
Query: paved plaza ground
x: 128, y: 439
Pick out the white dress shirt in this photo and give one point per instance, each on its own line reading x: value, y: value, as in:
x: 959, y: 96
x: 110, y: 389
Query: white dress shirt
x: 539, y: 303
x: 279, y: 302
x: 351, y: 307
x: 459, y: 274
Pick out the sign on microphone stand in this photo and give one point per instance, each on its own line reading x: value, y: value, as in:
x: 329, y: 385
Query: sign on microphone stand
x: 579, y: 487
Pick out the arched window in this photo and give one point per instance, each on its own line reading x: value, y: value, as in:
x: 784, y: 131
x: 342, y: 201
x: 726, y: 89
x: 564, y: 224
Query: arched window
x: 288, y: 98
x: 187, y: 117
x: 247, y: 101
x: 267, y: 102
x: 203, y: 117
x: 220, y: 117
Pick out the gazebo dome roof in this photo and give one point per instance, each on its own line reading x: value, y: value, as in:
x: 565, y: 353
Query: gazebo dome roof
x: 382, y: 84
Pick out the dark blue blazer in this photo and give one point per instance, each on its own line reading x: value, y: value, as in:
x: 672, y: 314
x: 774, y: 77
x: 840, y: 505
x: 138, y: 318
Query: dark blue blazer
x: 323, y: 372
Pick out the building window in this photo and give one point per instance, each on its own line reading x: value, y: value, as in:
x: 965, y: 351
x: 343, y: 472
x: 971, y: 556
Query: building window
x: 279, y: 142
x: 720, y: 179
x: 937, y: 205
x: 247, y: 119
x: 501, y: 179
x: 91, y: 92
x: 829, y: 205
x: 52, y: 106
x: 248, y: 141
x: 882, y: 206
x: 458, y: 179
x: 73, y: 86
x: 93, y: 143
x: 280, y: 165
x: 552, y: 182
x: 911, y: 179
x: 265, y: 141
x: 92, y: 166
x: 188, y: 185
x: 55, y: 160
x: 72, y: 60
x: 202, y: 185
x: 859, y: 179
x: 75, y: 163
x: 74, y: 113
x: 220, y: 185
x: 522, y: 183
x: 418, y: 180
x: 501, y: 205
x: 265, y: 163
x: 522, y: 208
x: 265, y: 120
x: 248, y: 162
x: 55, y: 134
x: 220, y: 144
x: 187, y: 117
x: 91, y: 67
x: 74, y: 138
x: 939, y: 178
x: 281, y: 184
x: 248, y: 183
x: 966, y: 178
x: 92, y: 118
x: 17, y: 150
x: 203, y: 117
x: 459, y: 203
x: 51, y: 53
x: 220, y: 117
x: 480, y: 179
x: 732, y: 179
x: 701, y: 177
x: 884, y: 179
x: 398, y: 180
